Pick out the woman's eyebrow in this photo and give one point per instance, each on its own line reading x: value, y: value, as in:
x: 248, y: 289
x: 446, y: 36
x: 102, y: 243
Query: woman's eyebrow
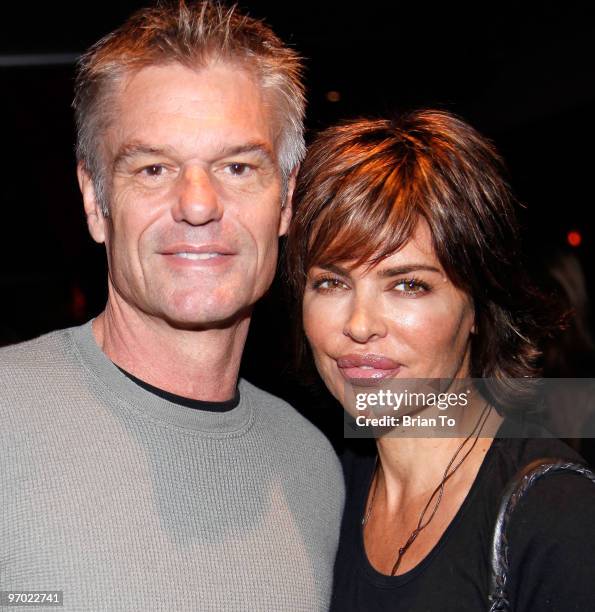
x: 407, y: 269
x: 334, y: 268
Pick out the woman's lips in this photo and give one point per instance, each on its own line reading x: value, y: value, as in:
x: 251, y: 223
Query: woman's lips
x: 367, y: 369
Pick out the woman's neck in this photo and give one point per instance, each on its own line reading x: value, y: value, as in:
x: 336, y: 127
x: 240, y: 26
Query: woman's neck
x: 415, y: 466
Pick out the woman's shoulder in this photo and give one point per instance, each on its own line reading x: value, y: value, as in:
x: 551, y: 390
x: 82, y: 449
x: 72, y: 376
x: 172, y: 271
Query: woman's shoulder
x: 551, y: 535
x: 517, y: 446
x: 358, y: 458
x: 552, y: 545
x: 557, y: 502
x: 557, y: 499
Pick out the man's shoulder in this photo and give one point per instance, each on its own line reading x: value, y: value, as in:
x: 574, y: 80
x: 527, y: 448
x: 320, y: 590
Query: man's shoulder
x: 274, y: 406
x: 264, y: 398
x: 297, y: 443
x: 37, y: 353
x: 283, y: 417
x: 34, y: 369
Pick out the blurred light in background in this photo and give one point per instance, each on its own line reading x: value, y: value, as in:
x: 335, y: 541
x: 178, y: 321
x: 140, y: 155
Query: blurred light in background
x: 574, y: 238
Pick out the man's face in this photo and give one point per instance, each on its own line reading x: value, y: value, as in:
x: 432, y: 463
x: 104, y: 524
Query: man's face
x: 195, y: 209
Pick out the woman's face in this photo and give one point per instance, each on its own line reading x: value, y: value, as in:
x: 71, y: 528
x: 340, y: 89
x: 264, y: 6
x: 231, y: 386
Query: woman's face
x: 403, y: 318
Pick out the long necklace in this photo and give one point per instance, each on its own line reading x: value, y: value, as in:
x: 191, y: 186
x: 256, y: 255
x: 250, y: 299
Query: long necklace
x: 421, y: 525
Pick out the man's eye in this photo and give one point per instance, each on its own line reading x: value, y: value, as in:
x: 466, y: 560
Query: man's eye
x: 153, y: 170
x: 239, y: 169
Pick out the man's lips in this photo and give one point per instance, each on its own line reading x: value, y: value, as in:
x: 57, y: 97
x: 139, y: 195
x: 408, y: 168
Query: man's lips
x: 186, y: 254
x: 367, y: 368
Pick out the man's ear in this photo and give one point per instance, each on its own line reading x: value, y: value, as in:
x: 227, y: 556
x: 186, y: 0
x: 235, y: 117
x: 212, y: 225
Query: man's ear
x: 475, y: 326
x: 287, y: 209
x: 93, y: 212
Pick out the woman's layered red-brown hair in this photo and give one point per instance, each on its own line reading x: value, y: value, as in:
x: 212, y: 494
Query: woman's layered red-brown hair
x: 364, y: 186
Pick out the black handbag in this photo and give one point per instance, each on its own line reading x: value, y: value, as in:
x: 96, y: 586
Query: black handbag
x: 515, y: 489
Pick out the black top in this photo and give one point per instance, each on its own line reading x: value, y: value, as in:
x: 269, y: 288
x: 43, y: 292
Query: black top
x: 188, y: 402
x: 551, y: 542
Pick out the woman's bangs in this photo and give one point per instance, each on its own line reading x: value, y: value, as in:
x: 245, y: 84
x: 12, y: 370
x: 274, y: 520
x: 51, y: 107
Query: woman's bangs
x: 361, y: 233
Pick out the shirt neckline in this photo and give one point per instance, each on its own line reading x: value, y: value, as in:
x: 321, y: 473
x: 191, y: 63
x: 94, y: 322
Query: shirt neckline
x: 384, y: 581
x: 150, y: 407
x: 182, y: 400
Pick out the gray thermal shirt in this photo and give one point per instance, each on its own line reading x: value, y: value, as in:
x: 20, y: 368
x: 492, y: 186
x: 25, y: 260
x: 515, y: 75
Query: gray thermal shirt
x: 126, y: 501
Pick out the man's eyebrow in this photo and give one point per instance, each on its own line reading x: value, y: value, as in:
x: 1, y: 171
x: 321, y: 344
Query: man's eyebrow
x: 260, y: 148
x: 134, y: 149
x: 407, y: 269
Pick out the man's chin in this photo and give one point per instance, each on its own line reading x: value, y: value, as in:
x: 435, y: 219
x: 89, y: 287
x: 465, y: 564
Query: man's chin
x: 201, y: 321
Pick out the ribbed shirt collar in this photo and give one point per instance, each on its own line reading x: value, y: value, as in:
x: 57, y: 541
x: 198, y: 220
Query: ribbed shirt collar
x: 151, y: 407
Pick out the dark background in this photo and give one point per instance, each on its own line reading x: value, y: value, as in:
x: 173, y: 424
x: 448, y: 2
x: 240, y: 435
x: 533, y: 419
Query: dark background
x: 522, y: 73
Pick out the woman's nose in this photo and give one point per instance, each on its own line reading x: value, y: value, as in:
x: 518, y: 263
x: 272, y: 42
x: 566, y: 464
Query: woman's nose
x: 365, y: 322
x: 197, y: 201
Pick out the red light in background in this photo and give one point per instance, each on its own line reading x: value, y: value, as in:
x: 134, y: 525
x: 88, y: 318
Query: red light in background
x: 78, y: 303
x: 574, y: 238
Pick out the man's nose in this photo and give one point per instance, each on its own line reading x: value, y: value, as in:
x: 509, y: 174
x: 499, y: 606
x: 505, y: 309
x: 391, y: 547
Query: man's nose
x: 197, y: 201
x: 365, y: 321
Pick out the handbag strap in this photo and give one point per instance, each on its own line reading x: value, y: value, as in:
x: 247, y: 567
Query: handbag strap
x: 515, y: 489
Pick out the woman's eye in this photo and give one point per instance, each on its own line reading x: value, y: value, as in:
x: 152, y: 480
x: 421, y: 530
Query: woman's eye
x: 328, y: 284
x: 410, y: 286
